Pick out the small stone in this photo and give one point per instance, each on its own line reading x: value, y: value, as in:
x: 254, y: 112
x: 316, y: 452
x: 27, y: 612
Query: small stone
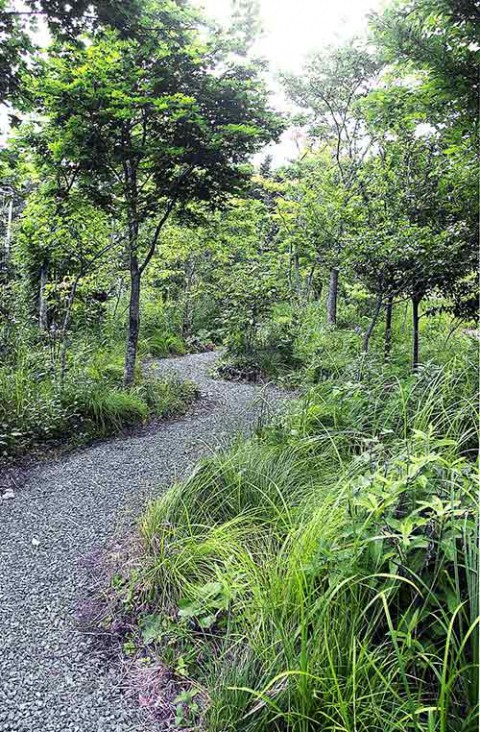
x: 35, y: 542
x: 8, y: 495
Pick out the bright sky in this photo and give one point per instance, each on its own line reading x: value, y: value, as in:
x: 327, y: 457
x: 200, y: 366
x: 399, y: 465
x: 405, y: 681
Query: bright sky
x: 292, y: 29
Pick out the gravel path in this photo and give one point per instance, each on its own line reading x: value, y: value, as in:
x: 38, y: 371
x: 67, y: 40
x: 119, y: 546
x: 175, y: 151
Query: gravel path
x: 50, y: 678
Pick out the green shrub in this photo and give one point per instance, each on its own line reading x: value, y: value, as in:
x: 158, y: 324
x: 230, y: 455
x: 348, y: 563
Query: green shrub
x: 107, y: 365
x: 161, y: 328
x: 31, y: 408
x: 36, y: 408
x: 167, y: 397
x: 268, y: 346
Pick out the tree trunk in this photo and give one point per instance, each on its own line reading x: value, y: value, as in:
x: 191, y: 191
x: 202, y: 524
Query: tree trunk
x: 415, y: 321
x: 187, y: 310
x: 373, y: 322
x: 290, y: 267
x: 332, y: 297
x: 308, y: 288
x: 296, y: 269
x: 65, y: 326
x: 133, y: 322
x: 8, y: 234
x: 119, y: 295
x: 42, y: 302
x: 388, y: 329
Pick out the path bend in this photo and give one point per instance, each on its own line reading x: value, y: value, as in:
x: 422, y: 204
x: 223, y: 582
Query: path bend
x: 50, y: 680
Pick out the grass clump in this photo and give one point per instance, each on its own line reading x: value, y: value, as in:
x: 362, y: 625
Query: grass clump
x: 167, y: 397
x: 324, y: 575
x: 107, y: 411
x: 160, y: 345
x: 37, y: 409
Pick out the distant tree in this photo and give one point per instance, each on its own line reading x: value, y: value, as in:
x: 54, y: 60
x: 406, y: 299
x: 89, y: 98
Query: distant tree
x: 316, y: 209
x: 329, y: 91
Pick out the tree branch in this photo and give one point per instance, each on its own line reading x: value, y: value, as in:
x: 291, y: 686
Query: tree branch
x: 170, y: 206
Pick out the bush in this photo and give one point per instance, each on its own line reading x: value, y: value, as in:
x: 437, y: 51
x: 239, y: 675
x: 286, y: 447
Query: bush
x: 31, y: 409
x: 161, y: 328
x: 267, y: 346
x: 167, y: 397
x: 161, y: 345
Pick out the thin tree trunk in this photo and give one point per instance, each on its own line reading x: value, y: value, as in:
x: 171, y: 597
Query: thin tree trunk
x: 65, y: 326
x: 332, y: 297
x: 42, y: 302
x: 187, y: 313
x: 296, y: 264
x: 290, y: 263
x: 133, y: 322
x: 119, y: 295
x: 8, y: 235
x: 373, y: 322
x: 388, y: 329
x: 416, y: 345
x: 308, y: 289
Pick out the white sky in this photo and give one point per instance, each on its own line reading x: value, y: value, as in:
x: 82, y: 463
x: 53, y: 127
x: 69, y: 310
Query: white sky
x: 292, y: 29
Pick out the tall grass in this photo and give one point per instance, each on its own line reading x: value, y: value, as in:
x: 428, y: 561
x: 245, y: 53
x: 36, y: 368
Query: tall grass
x: 37, y: 408
x: 324, y: 575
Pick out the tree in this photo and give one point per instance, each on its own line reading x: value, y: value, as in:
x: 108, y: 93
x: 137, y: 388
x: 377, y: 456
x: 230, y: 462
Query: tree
x: 317, y: 212
x: 330, y: 90
x: 150, y: 125
x: 433, y: 53
x: 440, y: 38
x: 421, y: 229
x: 62, y: 19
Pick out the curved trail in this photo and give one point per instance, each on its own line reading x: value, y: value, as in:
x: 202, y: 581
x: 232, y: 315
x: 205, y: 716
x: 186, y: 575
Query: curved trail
x: 50, y: 679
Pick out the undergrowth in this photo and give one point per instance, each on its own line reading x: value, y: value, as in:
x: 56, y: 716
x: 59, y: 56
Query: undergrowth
x: 324, y: 574
x: 294, y: 345
x: 38, y: 409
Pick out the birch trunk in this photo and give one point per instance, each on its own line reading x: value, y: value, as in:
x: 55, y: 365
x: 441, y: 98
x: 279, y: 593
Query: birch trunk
x: 42, y: 301
x: 415, y: 323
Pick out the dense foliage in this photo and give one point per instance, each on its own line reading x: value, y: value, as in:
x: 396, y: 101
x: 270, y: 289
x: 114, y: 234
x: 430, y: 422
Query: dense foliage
x: 324, y: 574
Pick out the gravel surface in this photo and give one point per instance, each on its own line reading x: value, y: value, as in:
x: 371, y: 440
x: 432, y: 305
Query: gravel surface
x: 51, y: 679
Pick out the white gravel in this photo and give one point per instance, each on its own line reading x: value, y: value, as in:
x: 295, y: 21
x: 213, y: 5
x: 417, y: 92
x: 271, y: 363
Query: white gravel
x: 51, y: 680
